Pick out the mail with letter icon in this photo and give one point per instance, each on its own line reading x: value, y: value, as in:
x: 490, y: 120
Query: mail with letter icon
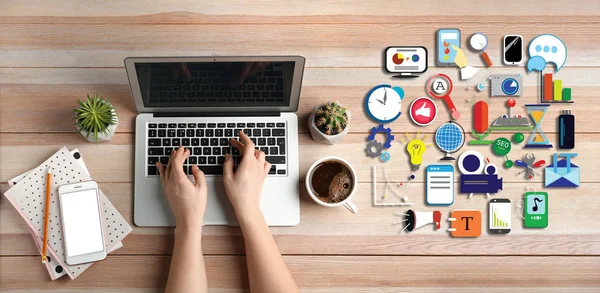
x: 562, y: 173
x: 465, y: 223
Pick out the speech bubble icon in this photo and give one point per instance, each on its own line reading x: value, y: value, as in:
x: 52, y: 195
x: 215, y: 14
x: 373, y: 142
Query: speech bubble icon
x: 536, y: 63
x: 550, y: 48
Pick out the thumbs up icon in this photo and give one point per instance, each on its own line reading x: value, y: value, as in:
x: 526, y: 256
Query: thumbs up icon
x: 423, y: 111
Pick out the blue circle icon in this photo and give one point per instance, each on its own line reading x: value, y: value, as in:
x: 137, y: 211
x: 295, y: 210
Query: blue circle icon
x: 546, y: 49
x: 538, y: 48
x: 471, y: 163
x: 554, y: 49
x: 510, y: 86
x: 415, y: 58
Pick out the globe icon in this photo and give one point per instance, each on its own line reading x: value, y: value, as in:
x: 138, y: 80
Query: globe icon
x: 450, y: 137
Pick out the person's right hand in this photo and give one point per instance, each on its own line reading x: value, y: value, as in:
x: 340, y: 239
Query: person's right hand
x: 244, y: 187
x: 460, y: 59
x: 248, y: 69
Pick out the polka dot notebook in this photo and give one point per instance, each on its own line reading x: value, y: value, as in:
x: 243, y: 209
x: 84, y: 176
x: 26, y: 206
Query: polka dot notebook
x: 28, y: 198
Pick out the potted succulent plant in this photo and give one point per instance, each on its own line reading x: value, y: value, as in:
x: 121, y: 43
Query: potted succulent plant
x: 329, y: 122
x: 96, y: 119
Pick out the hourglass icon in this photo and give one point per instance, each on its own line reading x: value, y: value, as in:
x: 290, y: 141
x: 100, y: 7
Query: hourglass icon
x: 537, y: 139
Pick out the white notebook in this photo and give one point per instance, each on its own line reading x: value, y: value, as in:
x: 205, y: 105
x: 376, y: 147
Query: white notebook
x: 28, y: 198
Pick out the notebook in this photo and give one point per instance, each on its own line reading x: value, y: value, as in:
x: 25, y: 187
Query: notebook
x: 28, y: 198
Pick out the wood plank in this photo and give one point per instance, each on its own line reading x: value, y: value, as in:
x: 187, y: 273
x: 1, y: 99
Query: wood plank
x: 324, y: 45
x: 113, y: 161
x: 268, y: 11
x: 572, y: 230
x: 50, y: 94
x: 327, y: 274
x: 182, y: 17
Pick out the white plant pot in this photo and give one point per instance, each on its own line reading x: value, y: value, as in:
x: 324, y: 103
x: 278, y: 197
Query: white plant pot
x: 321, y: 137
x: 102, y: 136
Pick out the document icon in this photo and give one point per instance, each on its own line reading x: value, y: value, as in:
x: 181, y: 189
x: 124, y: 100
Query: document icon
x: 440, y: 184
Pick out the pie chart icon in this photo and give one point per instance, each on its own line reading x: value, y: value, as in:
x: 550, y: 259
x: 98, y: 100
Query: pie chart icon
x: 398, y: 58
x: 510, y: 86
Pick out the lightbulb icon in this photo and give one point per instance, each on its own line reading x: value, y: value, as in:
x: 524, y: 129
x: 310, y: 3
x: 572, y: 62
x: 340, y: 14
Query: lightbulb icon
x: 416, y: 148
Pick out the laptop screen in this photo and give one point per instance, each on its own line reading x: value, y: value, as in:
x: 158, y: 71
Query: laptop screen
x: 215, y: 84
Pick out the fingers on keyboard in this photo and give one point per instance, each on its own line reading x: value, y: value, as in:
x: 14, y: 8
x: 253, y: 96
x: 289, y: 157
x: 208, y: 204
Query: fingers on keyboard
x: 209, y: 142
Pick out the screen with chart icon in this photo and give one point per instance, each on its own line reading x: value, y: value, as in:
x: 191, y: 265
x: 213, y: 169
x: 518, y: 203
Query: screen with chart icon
x: 499, y: 216
x: 406, y: 60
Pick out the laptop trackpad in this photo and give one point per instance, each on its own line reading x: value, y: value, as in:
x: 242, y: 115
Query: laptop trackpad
x: 218, y: 210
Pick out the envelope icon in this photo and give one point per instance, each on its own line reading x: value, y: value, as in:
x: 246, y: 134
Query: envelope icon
x: 562, y: 173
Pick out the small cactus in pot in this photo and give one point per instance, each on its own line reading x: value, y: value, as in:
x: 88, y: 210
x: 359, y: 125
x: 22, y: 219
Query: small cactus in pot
x: 329, y: 122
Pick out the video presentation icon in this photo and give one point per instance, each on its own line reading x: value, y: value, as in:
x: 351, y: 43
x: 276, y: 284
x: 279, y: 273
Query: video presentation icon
x: 408, y: 61
x: 471, y: 163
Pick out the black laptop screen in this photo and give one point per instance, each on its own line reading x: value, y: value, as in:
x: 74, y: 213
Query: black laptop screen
x: 215, y: 84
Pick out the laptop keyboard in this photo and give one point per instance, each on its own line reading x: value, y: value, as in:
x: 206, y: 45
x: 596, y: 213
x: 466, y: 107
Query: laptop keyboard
x: 209, y: 142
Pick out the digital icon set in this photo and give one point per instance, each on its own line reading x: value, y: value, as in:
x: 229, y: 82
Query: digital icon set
x: 478, y: 175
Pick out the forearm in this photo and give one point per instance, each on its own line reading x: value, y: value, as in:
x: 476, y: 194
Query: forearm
x: 187, y: 273
x: 267, y: 272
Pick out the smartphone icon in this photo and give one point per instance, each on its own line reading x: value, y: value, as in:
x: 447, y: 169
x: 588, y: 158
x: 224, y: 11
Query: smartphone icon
x: 499, y: 216
x: 513, y: 49
x: 447, y: 37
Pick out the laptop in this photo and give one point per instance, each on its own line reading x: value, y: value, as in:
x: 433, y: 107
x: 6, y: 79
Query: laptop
x: 202, y: 102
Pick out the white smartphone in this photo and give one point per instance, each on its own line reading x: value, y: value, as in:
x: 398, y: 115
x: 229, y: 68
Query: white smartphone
x: 513, y: 50
x: 82, y: 225
x: 499, y: 216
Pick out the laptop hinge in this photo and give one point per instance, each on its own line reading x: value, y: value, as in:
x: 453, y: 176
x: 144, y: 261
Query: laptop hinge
x: 216, y: 114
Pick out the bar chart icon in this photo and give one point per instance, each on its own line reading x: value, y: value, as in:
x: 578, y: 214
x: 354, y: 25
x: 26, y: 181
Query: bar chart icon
x: 553, y: 91
x: 497, y: 220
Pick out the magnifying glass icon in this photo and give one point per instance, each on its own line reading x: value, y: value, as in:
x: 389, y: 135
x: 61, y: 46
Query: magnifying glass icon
x: 439, y: 86
x: 479, y: 42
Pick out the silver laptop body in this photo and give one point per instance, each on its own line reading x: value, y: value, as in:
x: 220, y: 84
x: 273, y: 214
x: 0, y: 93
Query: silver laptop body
x: 201, y: 102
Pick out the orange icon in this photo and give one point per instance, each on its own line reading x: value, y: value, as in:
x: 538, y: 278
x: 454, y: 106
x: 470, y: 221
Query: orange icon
x: 465, y: 223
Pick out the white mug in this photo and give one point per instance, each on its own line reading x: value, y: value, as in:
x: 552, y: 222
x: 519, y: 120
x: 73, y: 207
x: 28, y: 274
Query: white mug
x: 346, y: 202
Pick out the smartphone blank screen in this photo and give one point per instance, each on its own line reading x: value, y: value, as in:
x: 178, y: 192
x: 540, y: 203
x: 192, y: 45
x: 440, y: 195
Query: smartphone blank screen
x: 81, y: 222
x: 513, y: 49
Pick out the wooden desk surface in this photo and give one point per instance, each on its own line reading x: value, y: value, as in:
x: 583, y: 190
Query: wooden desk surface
x: 54, y: 52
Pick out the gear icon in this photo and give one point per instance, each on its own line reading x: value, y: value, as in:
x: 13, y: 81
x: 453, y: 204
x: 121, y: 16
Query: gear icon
x: 374, y: 148
x: 386, y: 131
x: 385, y: 156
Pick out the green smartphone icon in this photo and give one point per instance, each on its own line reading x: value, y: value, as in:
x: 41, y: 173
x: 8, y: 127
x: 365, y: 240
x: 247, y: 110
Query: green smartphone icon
x: 536, y: 210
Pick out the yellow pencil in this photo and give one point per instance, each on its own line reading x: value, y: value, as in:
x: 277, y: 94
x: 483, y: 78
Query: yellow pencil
x: 46, y: 215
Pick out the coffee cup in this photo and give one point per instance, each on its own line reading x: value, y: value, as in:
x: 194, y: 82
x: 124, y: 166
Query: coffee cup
x: 313, y: 194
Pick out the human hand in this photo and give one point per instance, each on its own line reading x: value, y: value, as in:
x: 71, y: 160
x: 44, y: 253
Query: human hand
x: 187, y: 199
x: 244, y: 187
x: 249, y: 69
x: 180, y: 72
x: 459, y: 59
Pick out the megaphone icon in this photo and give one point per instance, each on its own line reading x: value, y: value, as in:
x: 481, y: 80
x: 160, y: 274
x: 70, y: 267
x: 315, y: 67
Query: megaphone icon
x: 415, y: 220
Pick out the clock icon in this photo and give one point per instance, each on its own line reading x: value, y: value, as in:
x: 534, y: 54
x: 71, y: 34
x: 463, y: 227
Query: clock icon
x: 384, y: 102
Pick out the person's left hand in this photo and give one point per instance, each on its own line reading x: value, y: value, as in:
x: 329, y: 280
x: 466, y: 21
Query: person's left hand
x: 187, y: 199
